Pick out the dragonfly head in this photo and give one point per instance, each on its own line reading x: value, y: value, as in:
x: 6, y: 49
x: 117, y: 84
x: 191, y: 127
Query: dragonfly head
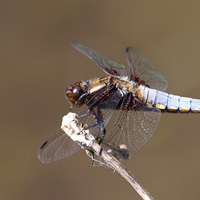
x: 75, y: 93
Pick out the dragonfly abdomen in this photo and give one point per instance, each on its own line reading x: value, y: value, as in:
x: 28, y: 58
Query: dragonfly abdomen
x: 169, y: 102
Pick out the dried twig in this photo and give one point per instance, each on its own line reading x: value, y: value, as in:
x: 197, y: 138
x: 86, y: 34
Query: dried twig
x: 82, y: 136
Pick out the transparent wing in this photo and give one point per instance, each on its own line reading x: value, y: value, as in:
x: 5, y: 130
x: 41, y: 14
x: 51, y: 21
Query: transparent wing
x: 57, y: 147
x: 60, y: 146
x: 108, y: 65
x: 100, y: 109
x: 140, y: 67
x: 133, y: 129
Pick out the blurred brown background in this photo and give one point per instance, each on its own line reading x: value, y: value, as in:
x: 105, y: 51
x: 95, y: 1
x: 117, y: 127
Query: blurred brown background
x: 37, y: 62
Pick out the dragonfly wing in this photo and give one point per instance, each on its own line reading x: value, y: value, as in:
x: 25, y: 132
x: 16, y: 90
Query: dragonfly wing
x: 141, y: 67
x: 133, y: 128
x: 108, y: 65
x: 57, y: 147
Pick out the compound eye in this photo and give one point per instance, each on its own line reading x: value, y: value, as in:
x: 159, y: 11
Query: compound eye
x: 73, y: 93
x: 76, y: 93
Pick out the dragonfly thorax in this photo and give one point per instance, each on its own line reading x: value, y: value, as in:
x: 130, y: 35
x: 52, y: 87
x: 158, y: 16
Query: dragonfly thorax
x: 80, y: 92
x: 127, y: 86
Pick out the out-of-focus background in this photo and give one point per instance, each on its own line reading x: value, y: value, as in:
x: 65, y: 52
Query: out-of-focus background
x: 37, y: 62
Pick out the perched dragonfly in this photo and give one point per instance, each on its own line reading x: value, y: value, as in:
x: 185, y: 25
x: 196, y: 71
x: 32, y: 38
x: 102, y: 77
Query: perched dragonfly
x: 139, y: 98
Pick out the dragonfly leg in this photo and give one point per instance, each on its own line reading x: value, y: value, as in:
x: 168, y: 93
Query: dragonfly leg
x: 93, y: 160
x: 101, y: 138
x: 88, y: 127
x: 83, y: 115
x: 81, y: 99
x: 101, y: 131
x: 101, y: 127
x: 90, y: 153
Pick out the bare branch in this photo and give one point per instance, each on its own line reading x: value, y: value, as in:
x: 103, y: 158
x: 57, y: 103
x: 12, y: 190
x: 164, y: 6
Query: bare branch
x: 79, y: 134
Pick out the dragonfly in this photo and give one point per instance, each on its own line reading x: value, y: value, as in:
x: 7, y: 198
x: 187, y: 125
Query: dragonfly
x: 139, y: 97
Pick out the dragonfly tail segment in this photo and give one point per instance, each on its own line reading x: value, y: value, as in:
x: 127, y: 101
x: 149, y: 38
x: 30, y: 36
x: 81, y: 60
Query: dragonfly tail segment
x: 168, y: 102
